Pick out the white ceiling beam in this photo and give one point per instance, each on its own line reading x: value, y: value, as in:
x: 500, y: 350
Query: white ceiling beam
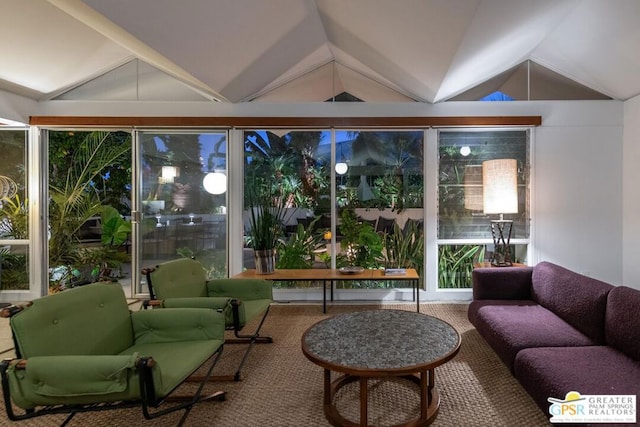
x: 96, y: 21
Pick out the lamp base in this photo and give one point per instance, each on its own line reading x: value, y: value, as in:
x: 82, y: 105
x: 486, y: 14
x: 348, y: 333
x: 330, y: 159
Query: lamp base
x: 501, y: 232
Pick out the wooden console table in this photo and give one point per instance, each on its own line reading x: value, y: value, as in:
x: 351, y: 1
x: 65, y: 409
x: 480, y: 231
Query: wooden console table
x: 327, y: 275
x: 487, y: 264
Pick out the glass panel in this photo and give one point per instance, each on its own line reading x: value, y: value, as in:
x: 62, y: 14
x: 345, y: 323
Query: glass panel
x: 184, y: 191
x: 14, y: 231
x: 379, y: 195
x: 290, y: 170
x: 89, y: 193
x: 461, y: 208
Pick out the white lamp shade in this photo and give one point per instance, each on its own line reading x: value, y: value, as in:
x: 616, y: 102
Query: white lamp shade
x: 473, y: 188
x: 341, y: 168
x: 500, y: 186
x: 215, y: 183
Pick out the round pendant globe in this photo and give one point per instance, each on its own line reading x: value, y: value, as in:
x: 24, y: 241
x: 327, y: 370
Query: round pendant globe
x: 215, y: 183
x: 341, y: 168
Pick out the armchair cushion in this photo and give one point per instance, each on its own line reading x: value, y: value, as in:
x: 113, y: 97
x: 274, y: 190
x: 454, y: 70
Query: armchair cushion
x: 177, y: 325
x: 179, y: 278
x: 57, y: 324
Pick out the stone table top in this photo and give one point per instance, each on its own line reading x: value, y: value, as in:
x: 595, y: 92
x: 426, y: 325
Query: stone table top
x: 381, y: 340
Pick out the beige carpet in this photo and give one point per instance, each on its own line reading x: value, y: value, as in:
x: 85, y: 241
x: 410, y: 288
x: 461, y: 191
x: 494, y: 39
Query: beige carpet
x: 282, y: 388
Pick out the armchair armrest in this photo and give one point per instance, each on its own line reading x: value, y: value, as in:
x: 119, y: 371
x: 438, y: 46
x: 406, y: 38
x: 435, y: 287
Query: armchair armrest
x: 219, y: 304
x: 242, y: 289
x: 41, y: 378
x: 512, y: 283
x: 177, y: 324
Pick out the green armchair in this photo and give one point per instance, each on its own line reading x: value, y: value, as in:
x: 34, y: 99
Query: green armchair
x: 182, y: 283
x: 83, y: 350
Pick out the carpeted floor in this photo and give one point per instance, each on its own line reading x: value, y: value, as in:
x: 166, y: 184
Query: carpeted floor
x: 280, y: 387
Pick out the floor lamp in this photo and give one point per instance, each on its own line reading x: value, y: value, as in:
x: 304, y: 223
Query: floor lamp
x: 500, y: 196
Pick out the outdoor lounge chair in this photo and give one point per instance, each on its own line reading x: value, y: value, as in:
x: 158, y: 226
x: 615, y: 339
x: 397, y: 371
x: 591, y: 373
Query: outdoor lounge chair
x: 182, y: 283
x: 83, y: 350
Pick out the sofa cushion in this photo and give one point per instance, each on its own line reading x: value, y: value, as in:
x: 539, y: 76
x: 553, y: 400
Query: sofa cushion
x: 509, y: 326
x: 622, y: 320
x: 502, y: 283
x: 578, y: 299
x: 553, y: 372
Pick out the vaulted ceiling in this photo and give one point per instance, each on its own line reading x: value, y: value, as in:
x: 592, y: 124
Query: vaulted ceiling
x: 311, y: 50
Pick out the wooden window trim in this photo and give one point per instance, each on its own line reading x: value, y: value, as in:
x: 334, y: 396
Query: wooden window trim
x: 289, y: 122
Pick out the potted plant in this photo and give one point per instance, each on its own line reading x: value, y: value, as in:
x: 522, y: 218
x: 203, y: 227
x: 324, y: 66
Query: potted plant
x: 266, y: 222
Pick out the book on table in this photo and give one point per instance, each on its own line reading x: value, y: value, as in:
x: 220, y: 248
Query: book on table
x: 395, y: 271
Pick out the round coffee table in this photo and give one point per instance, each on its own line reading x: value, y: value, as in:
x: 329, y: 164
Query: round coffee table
x: 379, y: 344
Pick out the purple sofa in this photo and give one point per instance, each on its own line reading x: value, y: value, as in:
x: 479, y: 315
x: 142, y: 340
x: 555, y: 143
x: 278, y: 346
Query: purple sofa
x: 559, y: 331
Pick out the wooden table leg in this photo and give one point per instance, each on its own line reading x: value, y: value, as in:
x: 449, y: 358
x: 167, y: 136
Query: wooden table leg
x: 432, y: 379
x: 424, y: 396
x: 327, y: 387
x: 364, y: 396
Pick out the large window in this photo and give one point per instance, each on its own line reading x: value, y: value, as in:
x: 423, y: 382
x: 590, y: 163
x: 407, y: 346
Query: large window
x: 372, y: 217
x: 464, y: 233
x: 14, y: 230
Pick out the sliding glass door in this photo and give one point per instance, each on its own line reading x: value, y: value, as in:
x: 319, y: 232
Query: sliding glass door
x: 182, y: 199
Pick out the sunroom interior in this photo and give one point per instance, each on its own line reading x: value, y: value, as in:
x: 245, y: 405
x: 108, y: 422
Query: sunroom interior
x: 394, y: 92
x: 135, y: 132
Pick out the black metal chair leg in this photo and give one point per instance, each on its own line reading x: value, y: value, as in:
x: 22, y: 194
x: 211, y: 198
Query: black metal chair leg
x: 251, y: 340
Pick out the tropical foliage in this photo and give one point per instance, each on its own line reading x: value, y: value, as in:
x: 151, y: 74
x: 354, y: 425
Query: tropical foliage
x: 455, y: 265
x: 404, y: 247
x: 298, y: 249
x: 75, y: 198
x: 14, y: 214
x: 361, y: 245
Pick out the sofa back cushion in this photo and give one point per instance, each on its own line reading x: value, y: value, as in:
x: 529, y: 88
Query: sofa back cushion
x: 88, y: 320
x: 622, y: 321
x: 179, y: 278
x: 579, y: 300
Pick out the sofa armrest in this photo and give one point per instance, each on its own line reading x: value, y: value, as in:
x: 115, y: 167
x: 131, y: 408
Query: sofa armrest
x: 511, y: 283
x: 177, y: 324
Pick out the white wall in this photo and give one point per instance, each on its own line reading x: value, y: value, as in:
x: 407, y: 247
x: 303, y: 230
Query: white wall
x: 577, y: 189
x: 631, y: 191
